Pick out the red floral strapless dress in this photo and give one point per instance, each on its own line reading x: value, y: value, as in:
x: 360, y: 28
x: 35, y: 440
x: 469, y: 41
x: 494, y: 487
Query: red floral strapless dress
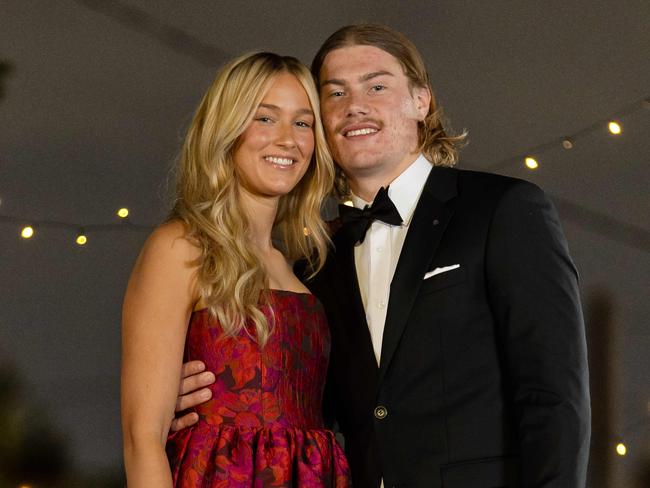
x: 263, y: 426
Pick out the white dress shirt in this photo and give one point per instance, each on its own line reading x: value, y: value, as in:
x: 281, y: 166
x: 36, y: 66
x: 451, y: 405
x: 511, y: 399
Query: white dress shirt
x: 376, y: 258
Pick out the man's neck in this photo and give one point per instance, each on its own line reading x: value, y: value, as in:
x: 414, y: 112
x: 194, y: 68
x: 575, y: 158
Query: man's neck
x: 366, y: 186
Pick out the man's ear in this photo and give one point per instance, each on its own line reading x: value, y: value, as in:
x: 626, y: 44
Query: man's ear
x: 422, y: 97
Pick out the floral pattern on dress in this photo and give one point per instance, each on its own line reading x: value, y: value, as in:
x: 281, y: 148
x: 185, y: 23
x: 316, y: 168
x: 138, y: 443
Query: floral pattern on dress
x: 263, y: 426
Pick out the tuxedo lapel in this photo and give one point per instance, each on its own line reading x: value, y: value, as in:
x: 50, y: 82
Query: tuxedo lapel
x: 425, y: 231
x: 349, y: 299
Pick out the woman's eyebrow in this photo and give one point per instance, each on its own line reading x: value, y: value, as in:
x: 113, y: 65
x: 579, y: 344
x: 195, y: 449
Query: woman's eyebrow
x: 275, y: 108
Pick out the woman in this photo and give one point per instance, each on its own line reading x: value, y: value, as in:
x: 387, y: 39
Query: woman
x: 212, y: 284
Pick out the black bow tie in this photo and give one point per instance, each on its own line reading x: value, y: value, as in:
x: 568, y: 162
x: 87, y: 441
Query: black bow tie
x: 357, y: 222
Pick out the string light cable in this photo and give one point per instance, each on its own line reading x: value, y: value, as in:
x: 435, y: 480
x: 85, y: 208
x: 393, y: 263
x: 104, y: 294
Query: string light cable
x: 30, y: 228
x: 189, y: 45
x: 605, y: 225
x: 530, y: 158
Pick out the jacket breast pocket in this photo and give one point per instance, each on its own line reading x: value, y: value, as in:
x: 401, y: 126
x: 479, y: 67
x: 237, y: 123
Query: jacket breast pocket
x: 443, y: 280
x: 497, y: 472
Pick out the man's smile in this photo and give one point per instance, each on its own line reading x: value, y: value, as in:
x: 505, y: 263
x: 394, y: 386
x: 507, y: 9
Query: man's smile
x: 360, y: 129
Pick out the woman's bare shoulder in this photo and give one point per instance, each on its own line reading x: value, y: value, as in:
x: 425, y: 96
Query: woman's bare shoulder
x: 170, y: 241
x: 165, y: 269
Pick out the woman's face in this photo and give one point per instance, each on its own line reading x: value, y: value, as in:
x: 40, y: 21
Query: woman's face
x: 275, y: 150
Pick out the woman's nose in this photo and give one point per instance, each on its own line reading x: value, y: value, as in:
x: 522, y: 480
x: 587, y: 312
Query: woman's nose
x: 286, y: 136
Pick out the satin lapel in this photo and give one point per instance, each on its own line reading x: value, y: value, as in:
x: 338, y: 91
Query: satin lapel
x: 350, y: 299
x: 427, y: 226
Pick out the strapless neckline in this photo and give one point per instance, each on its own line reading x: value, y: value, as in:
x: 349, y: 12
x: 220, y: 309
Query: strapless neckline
x: 277, y: 291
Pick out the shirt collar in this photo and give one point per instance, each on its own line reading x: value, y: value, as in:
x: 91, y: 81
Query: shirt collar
x: 405, y: 190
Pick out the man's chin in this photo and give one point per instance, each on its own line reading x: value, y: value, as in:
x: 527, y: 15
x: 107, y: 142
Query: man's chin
x: 359, y: 162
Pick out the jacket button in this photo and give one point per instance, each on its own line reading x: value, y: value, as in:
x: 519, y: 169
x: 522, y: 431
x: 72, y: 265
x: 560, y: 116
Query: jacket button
x: 381, y: 412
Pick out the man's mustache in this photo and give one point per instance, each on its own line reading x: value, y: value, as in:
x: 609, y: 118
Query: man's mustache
x: 345, y: 126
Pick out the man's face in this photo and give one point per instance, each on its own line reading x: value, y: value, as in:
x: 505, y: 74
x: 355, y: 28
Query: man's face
x: 370, y: 112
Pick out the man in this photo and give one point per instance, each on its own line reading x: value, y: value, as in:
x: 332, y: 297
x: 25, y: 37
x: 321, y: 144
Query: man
x: 458, y: 351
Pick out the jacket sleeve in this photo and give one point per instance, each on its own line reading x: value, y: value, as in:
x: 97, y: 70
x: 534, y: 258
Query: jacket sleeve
x: 315, y: 284
x: 533, y: 291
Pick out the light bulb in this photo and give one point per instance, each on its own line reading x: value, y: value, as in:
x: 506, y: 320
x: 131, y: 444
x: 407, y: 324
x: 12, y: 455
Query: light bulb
x: 27, y: 232
x: 567, y: 143
x: 614, y: 128
x: 531, y: 163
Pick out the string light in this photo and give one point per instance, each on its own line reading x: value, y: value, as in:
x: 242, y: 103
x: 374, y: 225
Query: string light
x: 569, y: 140
x: 621, y: 450
x: 637, y: 237
x: 27, y: 232
x: 614, y: 128
x: 81, y: 238
x: 531, y: 163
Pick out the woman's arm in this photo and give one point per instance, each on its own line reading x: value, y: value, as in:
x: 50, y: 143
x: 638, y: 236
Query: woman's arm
x: 158, y: 302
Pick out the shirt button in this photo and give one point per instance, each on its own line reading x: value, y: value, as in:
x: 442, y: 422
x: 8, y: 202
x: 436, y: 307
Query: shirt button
x: 380, y: 249
x: 381, y: 304
x: 381, y: 412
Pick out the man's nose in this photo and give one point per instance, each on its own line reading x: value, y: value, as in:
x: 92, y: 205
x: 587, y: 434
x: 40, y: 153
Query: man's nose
x: 356, y: 105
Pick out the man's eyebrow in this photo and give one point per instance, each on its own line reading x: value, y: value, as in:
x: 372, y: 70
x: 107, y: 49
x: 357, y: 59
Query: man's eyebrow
x: 375, y: 74
x: 333, y: 81
x: 275, y: 108
x: 366, y: 77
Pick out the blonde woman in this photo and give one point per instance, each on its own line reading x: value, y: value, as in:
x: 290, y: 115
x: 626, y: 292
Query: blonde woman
x: 215, y: 283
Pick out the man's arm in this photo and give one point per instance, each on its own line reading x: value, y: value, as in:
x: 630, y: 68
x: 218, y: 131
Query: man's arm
x: 192, y: 391
x: 533, y: 289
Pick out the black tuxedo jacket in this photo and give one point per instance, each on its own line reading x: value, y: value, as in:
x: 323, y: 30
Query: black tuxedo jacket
x: 483, y: 379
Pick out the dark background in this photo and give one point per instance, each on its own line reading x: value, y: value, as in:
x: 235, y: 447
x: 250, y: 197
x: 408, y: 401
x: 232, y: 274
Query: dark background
x: 96, y: 96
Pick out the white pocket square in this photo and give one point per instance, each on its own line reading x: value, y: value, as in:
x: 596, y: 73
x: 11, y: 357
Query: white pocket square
x: 444, y: 269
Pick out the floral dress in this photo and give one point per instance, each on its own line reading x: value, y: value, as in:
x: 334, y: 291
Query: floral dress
x: 263, y: 426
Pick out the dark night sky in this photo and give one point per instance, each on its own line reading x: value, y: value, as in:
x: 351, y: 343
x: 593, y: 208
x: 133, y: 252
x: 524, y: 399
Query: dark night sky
x: 99, y: 95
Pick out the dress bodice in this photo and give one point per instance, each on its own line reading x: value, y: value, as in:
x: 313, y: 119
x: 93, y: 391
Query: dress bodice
x: 263, y: 426
x: 281, y: 383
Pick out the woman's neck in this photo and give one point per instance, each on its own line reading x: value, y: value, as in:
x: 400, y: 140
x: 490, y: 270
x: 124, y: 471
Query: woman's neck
x: 261, y: 213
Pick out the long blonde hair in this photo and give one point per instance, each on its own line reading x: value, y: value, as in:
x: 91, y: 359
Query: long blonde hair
x: 440, y: 148
x: 230, y: 277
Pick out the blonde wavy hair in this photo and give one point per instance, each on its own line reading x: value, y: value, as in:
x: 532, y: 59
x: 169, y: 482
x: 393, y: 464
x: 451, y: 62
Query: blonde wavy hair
x: 230, y: 277
x: 440, y: 148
